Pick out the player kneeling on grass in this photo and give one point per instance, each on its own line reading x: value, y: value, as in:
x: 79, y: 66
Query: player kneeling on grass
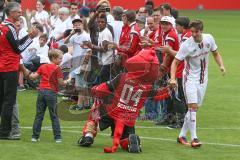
x: 50, y: 77
x: 195, y: 76
x: 122, y: 98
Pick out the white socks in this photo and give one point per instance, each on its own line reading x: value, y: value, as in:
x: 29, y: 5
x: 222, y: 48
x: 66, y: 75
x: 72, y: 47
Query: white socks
x: 89, y: 134
x: 192, y: 124
x: 185, y: 125
x: 189, y: 123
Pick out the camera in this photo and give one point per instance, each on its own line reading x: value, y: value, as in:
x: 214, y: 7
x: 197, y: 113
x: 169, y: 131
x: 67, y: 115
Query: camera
x: 103, y: 9
x: 77, y: 30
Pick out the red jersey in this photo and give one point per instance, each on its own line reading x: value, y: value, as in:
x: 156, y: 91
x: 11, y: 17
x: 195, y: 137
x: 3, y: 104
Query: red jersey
x: 11, y: 47
x: 129, y: 40
x: 170, y: 38
x: 185, y: 35
x: 154, y: 35
x: 129, y: 97
x: 50, y: 73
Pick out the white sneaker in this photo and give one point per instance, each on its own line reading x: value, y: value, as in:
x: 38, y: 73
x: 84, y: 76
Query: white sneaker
x: 58, y: 140
x: 35, y: 140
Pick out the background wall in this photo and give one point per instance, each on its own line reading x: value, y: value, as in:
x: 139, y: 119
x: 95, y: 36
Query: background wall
x: 183, y: 4
x: 179, y: 4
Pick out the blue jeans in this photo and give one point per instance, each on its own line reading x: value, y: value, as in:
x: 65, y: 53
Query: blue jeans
x: 152, y: 108
x: 46, y: 98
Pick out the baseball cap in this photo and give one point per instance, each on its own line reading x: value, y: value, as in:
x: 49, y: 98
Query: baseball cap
x: 76, y: 20
x: 167, y: 19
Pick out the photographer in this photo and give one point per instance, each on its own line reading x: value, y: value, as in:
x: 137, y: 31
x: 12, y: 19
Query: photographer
x: 93, y: 25
x: 104, y: 5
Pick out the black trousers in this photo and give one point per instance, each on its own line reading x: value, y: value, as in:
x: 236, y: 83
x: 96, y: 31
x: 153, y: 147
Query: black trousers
x: 104, y: 75
x: 8, y: 93
x: 106, y: 122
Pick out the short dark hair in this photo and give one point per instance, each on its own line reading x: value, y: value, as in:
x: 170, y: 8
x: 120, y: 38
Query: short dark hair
x: 183, y: 21
x: 42, y: 1
x: 149, y: 3
x: 63, y: 48
x: 44, y: 36
x: 165, y: 6
x: 197, y: 24
x: 73, y: 4
x: 117, y: 12
x: 131, y: 15
x: 103, y: 16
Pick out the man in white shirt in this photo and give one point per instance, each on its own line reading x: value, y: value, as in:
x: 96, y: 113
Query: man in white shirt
x: 73, y: 15
x: 105, y: 55
x: 117, y: 23
x: 194, y: 51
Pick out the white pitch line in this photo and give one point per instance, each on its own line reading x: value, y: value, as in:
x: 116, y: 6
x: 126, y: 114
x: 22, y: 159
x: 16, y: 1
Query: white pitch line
x: 145, y: 127
x: 147, y: 138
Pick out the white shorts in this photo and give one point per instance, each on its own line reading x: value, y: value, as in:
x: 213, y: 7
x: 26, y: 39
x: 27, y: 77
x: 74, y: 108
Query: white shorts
x: 194, y: 92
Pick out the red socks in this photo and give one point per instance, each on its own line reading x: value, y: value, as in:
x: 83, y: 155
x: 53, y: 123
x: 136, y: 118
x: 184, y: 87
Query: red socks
x: 124, y: 144
x: 116, y: 138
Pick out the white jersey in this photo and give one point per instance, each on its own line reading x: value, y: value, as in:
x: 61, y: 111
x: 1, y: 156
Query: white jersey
x: 78, y: 52
x: 196, y: 58
x: 105, y: 58
x: 117, y: 29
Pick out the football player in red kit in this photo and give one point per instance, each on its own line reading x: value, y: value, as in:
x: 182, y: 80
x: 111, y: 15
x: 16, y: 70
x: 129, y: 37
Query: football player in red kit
x: 122, y: 99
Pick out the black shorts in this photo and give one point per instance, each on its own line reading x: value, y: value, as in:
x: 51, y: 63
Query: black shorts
x: 106, y: 122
